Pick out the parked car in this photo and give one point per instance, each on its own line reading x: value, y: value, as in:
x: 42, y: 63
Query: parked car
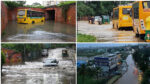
x: 65, y: 53
x: 50, y: 62
x: 98, y: 20
x: 45, y: 52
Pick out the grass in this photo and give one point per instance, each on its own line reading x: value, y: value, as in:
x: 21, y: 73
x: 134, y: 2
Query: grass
x: 85, y: 38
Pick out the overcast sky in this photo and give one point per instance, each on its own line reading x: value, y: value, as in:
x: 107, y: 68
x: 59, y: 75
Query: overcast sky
x: 30, y: 2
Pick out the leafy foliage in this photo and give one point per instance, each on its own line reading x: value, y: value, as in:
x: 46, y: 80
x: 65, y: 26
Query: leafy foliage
x: 146, y: 77
x: 3, y: 58
x: 142, y: 57
x: 95, y: 8
x: 87, y: 75
x: 36, y: 4
x: 66, y: 3
x: 24, y: 49
x: 65, y: 6
x: 13, y: 4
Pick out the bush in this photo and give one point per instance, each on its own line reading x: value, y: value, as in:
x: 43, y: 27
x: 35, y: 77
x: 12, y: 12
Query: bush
x: 3, y: 58
x: 85, y: 38
x: 13, y: 4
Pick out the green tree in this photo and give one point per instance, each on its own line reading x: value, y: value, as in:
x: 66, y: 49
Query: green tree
x: 36, y: 4
x: 24, y: 49
x: 13, y: 4
x: 97, y: 8
x: 82, y: 72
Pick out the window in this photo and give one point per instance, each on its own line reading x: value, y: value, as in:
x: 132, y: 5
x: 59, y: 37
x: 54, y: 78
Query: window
x: 126, y: 10
x: 136, y: 10
x: 116, y: 13
x: 34, y: 14
x: 29, y: 13
x: 146, y: 4
x: 21, y: 13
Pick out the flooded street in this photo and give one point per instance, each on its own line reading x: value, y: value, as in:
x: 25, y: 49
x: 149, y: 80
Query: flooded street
x: 48, y: 31
x: 36, y: 73
x: 105, y: 32
x: 131, y: 76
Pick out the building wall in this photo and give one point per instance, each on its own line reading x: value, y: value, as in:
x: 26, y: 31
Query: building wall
x: 4, y: 16
x: 71, y: 14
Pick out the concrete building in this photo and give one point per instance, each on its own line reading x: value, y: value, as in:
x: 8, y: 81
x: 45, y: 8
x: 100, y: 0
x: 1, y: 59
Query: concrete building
x: 106, y: 61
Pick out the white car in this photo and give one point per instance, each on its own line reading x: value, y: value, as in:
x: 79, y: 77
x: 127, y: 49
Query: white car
x: 44, y: 52
x: 50, y: 62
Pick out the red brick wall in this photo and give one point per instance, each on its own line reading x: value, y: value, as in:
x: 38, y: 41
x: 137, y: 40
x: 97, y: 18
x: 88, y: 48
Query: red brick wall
x: 4, y: 16
x: 71, y: 15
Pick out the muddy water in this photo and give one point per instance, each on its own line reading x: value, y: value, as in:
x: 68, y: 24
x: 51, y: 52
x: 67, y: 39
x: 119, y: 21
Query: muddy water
x: 106, y: 33
x: 131, y: 76
x: 36, y: 73
x: 48, y: 31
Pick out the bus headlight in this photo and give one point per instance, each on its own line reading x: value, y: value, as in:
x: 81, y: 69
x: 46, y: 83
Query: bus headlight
x: 142, y: 24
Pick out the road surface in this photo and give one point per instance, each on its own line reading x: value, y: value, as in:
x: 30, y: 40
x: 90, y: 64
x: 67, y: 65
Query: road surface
x: 48, y: 31
x: 105, y: 32
x: 131, y: 76
x: 36, y: 73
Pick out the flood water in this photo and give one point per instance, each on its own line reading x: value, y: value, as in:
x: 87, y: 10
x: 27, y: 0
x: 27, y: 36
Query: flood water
x: 48, y: 31
x: 36, y: 73
x: 131, y: 76
x: 106, y: 33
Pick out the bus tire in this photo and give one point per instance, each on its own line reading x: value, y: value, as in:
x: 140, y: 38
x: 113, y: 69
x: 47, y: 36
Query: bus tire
x: 33, y: 22
x: 141, y: 36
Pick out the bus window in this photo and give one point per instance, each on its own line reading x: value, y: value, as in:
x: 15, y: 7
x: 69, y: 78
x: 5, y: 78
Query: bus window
x: 21, y: 13
x: 146, y: 4
x: 116, y: 13
x: 33, y: 14
x: 28, y: 13
x: 136, y: 10
x: 126, y: 10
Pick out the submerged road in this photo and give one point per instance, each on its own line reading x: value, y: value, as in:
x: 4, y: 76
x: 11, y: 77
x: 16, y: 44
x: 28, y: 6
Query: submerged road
x: 48, y: 31
x: 131, y: 76
x: 106, y: 33
x: 36, y: 73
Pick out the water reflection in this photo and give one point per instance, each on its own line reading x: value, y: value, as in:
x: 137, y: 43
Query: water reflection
x: 131, y: 76
x: 45, y: 32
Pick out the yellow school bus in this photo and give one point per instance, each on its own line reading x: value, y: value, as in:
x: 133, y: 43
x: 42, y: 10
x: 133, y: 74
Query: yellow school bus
x: 122, y: 17
x: 29, y: 16
x: 141, y: 19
